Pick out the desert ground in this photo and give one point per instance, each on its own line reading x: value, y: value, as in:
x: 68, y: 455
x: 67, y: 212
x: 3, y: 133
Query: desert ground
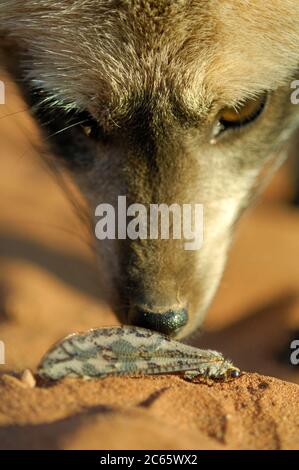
x: 49, y: 287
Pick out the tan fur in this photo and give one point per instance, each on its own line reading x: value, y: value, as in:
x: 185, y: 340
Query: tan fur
x: 154, y: 74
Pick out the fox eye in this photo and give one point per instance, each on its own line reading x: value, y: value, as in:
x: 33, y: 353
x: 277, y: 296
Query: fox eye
x: 239, y: 116
x: 87, y: 130
x: 90, y: 126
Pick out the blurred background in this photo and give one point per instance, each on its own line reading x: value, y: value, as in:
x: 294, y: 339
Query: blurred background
x: 49, y: 282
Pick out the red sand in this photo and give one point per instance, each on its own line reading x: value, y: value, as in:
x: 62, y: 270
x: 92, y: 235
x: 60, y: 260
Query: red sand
x: 254, y: 412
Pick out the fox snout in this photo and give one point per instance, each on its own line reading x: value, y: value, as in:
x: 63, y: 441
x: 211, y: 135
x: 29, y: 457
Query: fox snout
x: 150, y: 284
x: 154, y: 260
x: 153, y: 246
x: 154, y: 297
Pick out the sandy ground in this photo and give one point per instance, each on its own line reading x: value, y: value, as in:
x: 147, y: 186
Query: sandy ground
x: 49, y: 286
x: 254, y: 412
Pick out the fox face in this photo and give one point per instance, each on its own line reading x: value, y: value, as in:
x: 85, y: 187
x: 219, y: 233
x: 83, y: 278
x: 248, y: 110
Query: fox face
x: 164, y: 102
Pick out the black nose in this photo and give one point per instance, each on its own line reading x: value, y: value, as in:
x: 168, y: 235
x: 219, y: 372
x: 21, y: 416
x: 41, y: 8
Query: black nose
x: 167, y: 322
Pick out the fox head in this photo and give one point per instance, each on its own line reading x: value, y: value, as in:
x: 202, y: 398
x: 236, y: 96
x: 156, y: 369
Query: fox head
x: 164, y: 102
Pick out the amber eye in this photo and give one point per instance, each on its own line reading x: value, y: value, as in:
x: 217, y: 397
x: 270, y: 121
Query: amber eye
x: 87, y: 130
x: 89, y: 126
x: 94, y: 131
x: 239, y: 116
